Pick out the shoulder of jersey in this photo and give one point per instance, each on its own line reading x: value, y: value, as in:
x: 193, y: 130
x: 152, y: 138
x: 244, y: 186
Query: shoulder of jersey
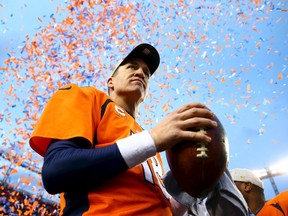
x: 90, y: 89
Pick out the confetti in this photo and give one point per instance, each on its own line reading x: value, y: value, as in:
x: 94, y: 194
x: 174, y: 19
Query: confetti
x: 230, y: 56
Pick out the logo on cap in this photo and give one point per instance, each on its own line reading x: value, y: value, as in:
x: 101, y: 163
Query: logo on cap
x: 146, y: 51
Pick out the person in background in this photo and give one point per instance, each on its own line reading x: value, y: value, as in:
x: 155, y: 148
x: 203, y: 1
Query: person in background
x: 97, y: 155
x: 252, y: 189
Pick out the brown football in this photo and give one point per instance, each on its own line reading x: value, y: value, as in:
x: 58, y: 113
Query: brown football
x: 197, y: 167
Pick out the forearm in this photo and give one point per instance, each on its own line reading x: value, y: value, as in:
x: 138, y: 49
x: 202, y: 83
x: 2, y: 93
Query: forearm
x: 68, y: 167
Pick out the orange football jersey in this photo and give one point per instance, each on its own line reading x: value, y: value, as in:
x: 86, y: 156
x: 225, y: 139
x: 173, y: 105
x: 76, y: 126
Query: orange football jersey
x: 89, y: 113
x: 277, y: 206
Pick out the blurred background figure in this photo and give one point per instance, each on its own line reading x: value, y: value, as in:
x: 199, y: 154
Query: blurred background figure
x: 252, y: 189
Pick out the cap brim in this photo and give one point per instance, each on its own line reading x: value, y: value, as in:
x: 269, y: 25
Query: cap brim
x: 245, y: 175
x: 144, y: 51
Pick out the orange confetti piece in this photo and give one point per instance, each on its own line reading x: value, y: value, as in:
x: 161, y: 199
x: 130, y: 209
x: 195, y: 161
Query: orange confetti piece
x: 258, y: 44
x: 257, y: 1
x: 237, y: 82
x: 248, y: 88
x: 211, y: 90
x: 266, y: 101
x: 13, y: 171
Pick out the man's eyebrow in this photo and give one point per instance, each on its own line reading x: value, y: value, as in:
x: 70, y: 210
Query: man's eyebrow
x: 146, y: 68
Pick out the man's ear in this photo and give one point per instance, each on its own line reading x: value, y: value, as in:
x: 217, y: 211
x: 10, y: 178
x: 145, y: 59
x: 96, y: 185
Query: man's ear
x: 110, y: 82
x: 247, y: 186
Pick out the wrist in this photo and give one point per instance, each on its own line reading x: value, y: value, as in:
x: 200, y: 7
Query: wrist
x: 137, y: 148
x: 156, y: 142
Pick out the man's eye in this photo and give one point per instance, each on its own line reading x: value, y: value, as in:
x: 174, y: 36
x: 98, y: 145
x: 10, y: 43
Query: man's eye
x: 132, y: 67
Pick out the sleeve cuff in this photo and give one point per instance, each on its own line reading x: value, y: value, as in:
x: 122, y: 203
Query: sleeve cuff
x: 137, y: 148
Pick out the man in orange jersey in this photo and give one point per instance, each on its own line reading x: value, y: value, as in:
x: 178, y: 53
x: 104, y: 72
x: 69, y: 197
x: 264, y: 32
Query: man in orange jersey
x: 277, y: 206
x: 98, y: 157
x: 252, y: 189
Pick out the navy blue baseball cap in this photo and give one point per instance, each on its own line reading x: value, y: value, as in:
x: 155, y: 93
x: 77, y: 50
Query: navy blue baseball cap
x: 147, y: 53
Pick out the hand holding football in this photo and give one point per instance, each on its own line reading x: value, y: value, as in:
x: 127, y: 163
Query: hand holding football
x: 197, y: 167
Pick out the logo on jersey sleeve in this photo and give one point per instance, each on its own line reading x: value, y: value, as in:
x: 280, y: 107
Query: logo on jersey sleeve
x: 120, y: 111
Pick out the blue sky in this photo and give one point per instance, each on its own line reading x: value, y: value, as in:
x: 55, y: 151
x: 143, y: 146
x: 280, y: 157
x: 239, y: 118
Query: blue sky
x: 232, y: 57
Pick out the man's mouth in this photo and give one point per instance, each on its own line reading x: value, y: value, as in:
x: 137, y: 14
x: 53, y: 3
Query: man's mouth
x: 139, y: 81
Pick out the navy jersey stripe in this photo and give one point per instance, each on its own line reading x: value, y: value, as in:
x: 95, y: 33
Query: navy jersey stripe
x: 103, y: 107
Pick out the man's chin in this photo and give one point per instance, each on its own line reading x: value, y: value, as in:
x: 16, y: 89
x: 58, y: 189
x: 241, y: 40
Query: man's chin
x: 138, y: 94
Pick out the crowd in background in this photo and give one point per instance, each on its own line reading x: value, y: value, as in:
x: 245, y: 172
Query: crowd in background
x: 14, y: 202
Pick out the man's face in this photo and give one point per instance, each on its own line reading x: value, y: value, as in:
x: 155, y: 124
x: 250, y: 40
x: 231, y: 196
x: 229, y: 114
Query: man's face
x: 131, y: 79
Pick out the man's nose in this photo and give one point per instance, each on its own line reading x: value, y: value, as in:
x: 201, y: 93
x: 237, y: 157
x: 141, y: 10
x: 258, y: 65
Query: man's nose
x: 140, y: 72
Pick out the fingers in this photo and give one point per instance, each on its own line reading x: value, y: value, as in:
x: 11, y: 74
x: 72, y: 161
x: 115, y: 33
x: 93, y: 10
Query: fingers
x: 196, y: 135
x: 191, y: 106
x: 183, y: 124
x: 198, y: 122
x: 194, y: 110
x: 195, y: 115
x: 195, y: 118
